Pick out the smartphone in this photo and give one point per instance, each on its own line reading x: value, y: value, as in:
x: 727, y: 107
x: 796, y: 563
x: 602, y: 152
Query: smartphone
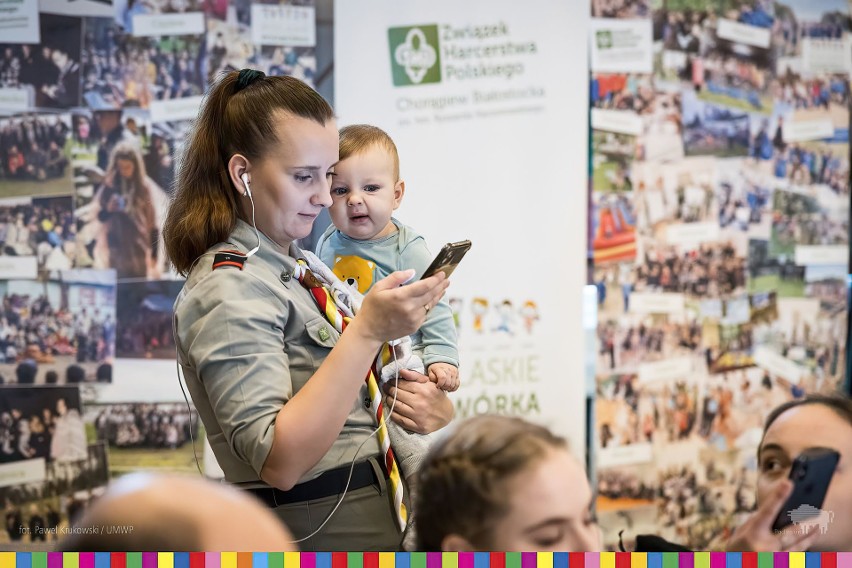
x: 811, y: 474
x: 448, y: 258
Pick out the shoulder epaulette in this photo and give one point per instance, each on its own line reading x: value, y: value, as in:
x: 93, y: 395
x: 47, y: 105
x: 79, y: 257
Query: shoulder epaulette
x: 229, y: 258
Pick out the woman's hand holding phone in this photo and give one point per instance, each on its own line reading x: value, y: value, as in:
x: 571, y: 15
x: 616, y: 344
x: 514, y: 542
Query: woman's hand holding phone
x: 756, y: 533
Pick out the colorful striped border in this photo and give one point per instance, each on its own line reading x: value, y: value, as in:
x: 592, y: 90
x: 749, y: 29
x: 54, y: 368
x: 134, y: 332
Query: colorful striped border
x: 425, y: 560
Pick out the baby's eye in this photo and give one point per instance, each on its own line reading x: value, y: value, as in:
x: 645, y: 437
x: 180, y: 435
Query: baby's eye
x: 371, y: 188
x: 338, y: 191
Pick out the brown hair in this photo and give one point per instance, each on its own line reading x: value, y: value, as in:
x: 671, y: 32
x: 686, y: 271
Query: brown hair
x: 141, y: 206
x: 233, y: 119
x: 356, y: 138
x: 462, y: 482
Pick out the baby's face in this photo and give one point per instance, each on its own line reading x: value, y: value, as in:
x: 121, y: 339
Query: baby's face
x: 365, y: 193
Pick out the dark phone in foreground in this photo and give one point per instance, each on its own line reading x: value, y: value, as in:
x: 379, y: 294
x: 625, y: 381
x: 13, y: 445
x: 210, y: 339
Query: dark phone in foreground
x: 811, y: 474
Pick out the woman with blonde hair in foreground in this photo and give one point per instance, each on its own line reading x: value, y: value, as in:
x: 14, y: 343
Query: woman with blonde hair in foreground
x: 501, y: 483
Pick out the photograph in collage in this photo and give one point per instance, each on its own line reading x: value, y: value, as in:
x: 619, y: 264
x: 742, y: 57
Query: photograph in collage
x: 623, y: 91
x: 122, y: 70
x: 673, y: 194
x: 802, y: 24
x: 711, y: 129
x: 35, y: 154
x: 745, y: 198
x: 613, y: 154
x: 147, y: 436
x: 145, y: 313
x: 662, y: 128
x: 39, y: 227
x: 800, y: 219
x: 49, y: 73
x: 120, y: 207
x: 228, y: 46
x: 58, y: 330
x: 613, y: 226
x: 298, y: 62
x: 42, y: 423
x: 634, y: 338
x: 625, y: 488
x: 45, y: 509
x: 710, y: 269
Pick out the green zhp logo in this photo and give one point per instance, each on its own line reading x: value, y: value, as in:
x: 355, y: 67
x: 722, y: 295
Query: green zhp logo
x: 415, y: 57
x: 604, y: 38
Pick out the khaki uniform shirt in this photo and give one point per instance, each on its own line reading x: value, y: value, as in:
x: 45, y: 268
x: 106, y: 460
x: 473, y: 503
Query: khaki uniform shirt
x: 247, y: 341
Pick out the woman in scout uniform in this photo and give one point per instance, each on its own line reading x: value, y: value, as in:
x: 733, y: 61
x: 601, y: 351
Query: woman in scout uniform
x: 285, y: 398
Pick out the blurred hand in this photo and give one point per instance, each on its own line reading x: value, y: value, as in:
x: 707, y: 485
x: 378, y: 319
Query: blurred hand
x: 420, y: 405
x: 444, y: 375
x: 756, y: 534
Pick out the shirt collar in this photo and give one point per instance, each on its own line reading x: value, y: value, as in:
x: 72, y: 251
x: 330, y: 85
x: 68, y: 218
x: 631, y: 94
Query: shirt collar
x: 270, y: 253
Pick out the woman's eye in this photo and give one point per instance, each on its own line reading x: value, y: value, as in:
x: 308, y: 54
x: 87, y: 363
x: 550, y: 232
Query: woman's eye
x: 302, y: 179
x: 771, y: 465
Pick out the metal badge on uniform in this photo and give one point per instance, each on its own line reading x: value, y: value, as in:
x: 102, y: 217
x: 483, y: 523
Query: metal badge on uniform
x: 229, y: 258
x: 323, y: 333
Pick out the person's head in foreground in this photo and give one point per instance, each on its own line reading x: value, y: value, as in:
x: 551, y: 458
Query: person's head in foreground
x: 501, y: 483
x: 816, y: 421
x: 154, y: 512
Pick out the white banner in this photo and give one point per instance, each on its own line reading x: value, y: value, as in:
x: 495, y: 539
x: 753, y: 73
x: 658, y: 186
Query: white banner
x: 487, y: 103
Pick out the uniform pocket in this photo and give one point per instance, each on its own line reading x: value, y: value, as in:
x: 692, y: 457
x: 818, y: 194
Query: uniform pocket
x: 322, y: 332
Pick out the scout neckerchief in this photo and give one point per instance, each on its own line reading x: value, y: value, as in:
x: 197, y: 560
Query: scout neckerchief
x: 325, y: 301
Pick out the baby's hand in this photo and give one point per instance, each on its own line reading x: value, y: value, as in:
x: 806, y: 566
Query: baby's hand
x: 444, y: 375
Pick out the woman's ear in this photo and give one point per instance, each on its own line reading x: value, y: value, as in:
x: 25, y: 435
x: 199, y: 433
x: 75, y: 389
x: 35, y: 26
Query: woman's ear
x: 237, y: 166
x: 456, y: 543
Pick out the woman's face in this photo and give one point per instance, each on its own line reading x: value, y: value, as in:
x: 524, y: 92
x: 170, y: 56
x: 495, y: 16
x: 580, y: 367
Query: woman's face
x: 125, y: 167
x: 290, y: 185
x: 83, y: 128
x: 800, y: 428
x: 549, y: 508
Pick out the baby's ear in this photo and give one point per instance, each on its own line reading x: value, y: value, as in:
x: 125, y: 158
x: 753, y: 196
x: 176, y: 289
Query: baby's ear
x: 398, y: 193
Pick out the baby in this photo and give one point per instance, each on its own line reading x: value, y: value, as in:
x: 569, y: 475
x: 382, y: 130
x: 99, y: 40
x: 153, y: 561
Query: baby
x: 366, y: 243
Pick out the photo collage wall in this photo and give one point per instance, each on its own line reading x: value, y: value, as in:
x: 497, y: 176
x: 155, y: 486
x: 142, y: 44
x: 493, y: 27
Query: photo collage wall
x: 96, y: 98
x: 720, y: 195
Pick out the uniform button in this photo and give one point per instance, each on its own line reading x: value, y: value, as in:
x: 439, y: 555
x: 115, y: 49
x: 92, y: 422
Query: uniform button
x: 367, y: 402
x: 285, y: 276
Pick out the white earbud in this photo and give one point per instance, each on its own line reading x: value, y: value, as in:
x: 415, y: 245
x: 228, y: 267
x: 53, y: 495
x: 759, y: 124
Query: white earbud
x: 247, y: 192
